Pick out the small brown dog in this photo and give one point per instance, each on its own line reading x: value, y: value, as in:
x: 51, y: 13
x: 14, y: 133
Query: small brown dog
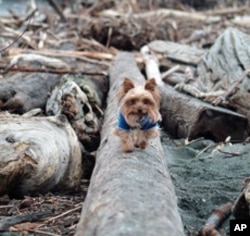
x: 138, y: 115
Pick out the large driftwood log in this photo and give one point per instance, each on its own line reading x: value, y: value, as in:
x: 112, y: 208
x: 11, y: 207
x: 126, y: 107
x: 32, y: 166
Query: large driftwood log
x: 22, y: 92
x: 188, y: 117
x: 224, y: 64
x: 38, y: 154
x: 178, y: 52
x: 129, y: 193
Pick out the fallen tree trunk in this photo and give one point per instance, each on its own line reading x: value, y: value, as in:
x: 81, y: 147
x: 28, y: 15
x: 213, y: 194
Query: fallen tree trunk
x: 38, y: 154
x: 129, y: 193
x: 22, y: 92
x: 186, y: 117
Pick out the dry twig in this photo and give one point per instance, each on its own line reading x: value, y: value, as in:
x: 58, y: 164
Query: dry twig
x: 58, y: 9
x: 222, y: 98
x: 215, y: 220
x: 166, y: 13
x: 52, y: 71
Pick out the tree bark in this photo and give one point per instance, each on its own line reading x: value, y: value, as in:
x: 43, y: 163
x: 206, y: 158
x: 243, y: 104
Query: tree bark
x: 23, y: 92
x: 38, y: 154
x: 81, y: 101
x: 188, y: 117
x: 129, y: 193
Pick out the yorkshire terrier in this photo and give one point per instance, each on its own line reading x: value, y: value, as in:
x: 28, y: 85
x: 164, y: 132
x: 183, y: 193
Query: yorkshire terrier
x: 138, y: 114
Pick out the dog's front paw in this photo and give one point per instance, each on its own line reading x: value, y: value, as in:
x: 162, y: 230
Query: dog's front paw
x: 142, y: 145
x: 127, y: 148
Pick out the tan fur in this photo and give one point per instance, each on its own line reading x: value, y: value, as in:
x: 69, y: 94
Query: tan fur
x: 136, y: 102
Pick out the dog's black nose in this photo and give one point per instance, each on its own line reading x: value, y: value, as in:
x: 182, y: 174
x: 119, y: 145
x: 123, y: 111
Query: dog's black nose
x: 139, y: 110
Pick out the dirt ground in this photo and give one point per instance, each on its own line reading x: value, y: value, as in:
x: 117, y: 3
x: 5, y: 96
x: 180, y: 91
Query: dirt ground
x: 205, y: 177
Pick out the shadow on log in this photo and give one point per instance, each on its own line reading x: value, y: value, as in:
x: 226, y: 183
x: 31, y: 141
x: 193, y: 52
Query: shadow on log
x: 38, y: 154
x: 129, y: 193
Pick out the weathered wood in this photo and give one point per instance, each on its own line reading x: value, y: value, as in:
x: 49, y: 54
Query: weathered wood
x: 163, y: 12
x: 7, y: 222
x: 218, y: 69
x: 81, y: 100
x: 177, y: 52
x: 38, y: 154
x: 223, y: 65
x: 129, y: 193
x: 188, y: 117
x: 241, y: 206
x: 31, y: 59
x: 63, y: 53
x: 225, y: 62
x: 22, y: 92
x: 215, y: 220
x: 51, y: 71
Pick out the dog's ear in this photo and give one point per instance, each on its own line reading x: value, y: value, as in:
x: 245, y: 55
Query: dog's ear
x: 126, y: 86
x: 151, y: 86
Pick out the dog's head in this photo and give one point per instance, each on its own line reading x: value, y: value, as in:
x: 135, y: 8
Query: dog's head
x: 139, y: 102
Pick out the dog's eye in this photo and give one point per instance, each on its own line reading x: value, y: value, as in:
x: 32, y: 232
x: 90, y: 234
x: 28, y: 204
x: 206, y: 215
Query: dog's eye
x: 132, y: 101
x: 146, y: 101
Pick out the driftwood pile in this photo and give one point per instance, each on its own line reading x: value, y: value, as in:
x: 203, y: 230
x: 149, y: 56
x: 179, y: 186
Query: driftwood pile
x: 56, y: 122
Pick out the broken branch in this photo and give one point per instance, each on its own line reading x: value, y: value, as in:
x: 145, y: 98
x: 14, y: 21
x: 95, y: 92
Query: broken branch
x: 52, y: 71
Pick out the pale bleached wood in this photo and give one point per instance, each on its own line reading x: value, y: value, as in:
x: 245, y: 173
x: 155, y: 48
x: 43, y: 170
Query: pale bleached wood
x: 62, y: 53
x: 163, y: 12
x: 181, y: 53
x: 38, y: 154
x: 226, y: 67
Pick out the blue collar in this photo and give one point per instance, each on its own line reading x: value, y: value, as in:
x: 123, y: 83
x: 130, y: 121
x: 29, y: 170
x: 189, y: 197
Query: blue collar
x: 145, y: 123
